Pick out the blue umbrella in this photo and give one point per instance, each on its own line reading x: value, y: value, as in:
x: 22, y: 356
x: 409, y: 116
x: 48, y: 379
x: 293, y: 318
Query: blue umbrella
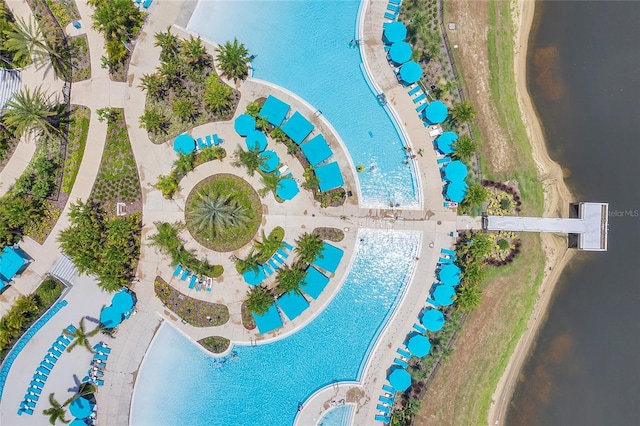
x: 252, y: 277
x: 123, y: 300
x: 445, y: 142
x: 400, y: 52
x: 455, y: 170
x: 395, y: 31
x: 400, y: 379
x: 436, y: 112
x: 287, y: 189
x: 77, y: 422
x: 111, y: 316
x: 80, y: 408
x: 432, y: 319
x: 449, y: 274
x: 419, y: 345
x: 256, y: 141
x: 456, y: 190
x: 443, y: 295
x: 271, y: 161
x: 184, y: 144
x: 244, y: 124
x: 410, y: 72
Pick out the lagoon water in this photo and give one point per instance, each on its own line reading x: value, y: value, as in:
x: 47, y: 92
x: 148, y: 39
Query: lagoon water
x: 584, y: 78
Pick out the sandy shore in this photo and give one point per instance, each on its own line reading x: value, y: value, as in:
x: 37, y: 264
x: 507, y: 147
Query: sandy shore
x: 556, y: 199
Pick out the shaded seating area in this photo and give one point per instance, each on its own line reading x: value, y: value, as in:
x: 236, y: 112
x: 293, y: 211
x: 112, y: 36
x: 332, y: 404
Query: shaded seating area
x: 456, y: 191
x: 244, y: 124
x: 292, y: 304
x: 184, y: 144
x: 274, y: 111
x: 268, y: 321
x: 432, y: 319
x: 17, y: 348
x: 418, y: 345
x: 254, y: 277
x: 297, y: 127
x: 329, y: 258
x: 12, y: 262
x: 449, y: 274
x: 314, y: 282
x: 122, y: 304
x: 287, y: 188
x: 95, y: 373
x: 400, y: 52
x: 410, y: 72
x: 436, y: 113
x: 329, y: 176
x: 207, y: 141
x: 316, y: 150
x: 442, y: 295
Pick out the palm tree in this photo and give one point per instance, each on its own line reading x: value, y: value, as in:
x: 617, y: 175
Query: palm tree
x: 211, y: 212
x: 248, y: 263
x: 195, y: 52
x: 468, y: 297
x: 290, y: 279
x: 217, y: 96
x: 232, y: 59
x: 473, y: 272
x: 28, y: 43
x: 252, y: 160
x: 185, y: 109
x: 464, y: 148
x: 268, y: 245
x: 417, y: 24
x: 308, y: 247
x: 462, y: 112
x: 154, y: 121
x: 153, y: 84
x: 81, y: 336
x: 56, y: 411
x: 481, y: 246
x: 168, y: 43
x: 259, y: 300
x: 32, y: 112
x: 271, y: 181
x: 476, y: 195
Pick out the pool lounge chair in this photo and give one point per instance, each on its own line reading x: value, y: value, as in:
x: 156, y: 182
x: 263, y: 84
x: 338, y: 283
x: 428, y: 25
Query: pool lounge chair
x: 273, y: 265
x: 28, y: 411
x: 51, y: 358
x: 396, y: 2
x: 146, y: 4
x: 282, y: 253
x: 389, y: 389
x: 36, y: 390
x: 444, y: 260
x: 385, y: 400
x: 443, y: 160
x: 35, y: 383
x: 277, y: 259
x: 267, y: 269
x: 54, y: 352
x: 287, y: 245
x: 100, y: 382
x: 390, y: 15
x: 185, y: 274
x: 403, y: 353
x: 421, y: 107
x: 40, y: 377
x: 32, y: 397
x: 46, y: 364
x: 401, y: 363
x: 192, y: 282
x: 208, y: 140
x: 419, y: 98
x: 29, y: 404
x: 382, y: 408
x: 393, y: 8
x: 414, y: 90
x: 178, y: 270
x: 100, y: 357
x: 419, y: 329
x: 200, y: 143
x: 217, y: 140
x: 71, y: 328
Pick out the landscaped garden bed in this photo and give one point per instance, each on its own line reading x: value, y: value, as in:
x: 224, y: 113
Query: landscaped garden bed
x: 332, y: 234
x: 79, y: 57
x: 215, y: 344
x: 223, y: 212
x: 195, y: 312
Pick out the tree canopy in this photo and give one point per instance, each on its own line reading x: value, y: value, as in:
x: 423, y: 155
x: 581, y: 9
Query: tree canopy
x: 232, y: 58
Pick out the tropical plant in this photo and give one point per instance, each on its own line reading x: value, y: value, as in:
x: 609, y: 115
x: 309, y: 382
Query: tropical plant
x: 259, y: 300
x: 468, y: 297
x: 56, y: 411
x: 27, y: 42
x: 81, y: 337
x: 481, y: 246
x: 271, y: 181
x: 308, y: 247
x: 154, y: 121
x: 268, y: 245
x: 185, y: 109
x: 250, y: 159
x: 417, y: 24
x: 473, y: 272
x: 311, y: 181
x: 232, y: 59
x: 211, y: 212
x: 153, y: 84
x: 168, y: 185
x: 217, y: 96
x: 462, y: 112
x: 476, y: 195
x: 168, y: 43
x: 32, y: 113
x: 248, y: 263
x: 464, y: 148
x: 195, y: 52
x: 278, y: 134
x: 290, y: 279
x: 253, y: 109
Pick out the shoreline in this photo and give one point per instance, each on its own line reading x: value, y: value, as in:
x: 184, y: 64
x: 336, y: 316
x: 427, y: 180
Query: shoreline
x: 556, y: 202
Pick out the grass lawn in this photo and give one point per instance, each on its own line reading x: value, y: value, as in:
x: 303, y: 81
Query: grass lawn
x: 77, y: 140
x: 117, y: 179
x: 196, y: 312
x: 226, y: 237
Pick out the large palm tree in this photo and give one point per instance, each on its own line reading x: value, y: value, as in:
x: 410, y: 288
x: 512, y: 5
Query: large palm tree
x: 250, y: 159
x: 290, y: 279
x: 267, y: 246
x: 28, y: 43
x: 259, y: 299
x: 81, y: 336
x: 212, y: 212
x: 248, y: 263
x: 481, y: 246
x: 476, y: 195
x: 464, y: 148
x: 194, y: 52
x: 468, y: 297
x: 308, y: 247
x: 32, y: 113
x: 217, y: 96
x: 462, y: 112
x: 56, y: 411
x: 232, y: 59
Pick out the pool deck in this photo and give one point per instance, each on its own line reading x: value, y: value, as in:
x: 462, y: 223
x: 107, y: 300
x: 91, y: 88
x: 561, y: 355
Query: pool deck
x: 296, y: 216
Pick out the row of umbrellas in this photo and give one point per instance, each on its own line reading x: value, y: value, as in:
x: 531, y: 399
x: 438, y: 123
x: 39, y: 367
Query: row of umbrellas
x: 455, y: 173
x: 256, y: 140
x: 400, y: 52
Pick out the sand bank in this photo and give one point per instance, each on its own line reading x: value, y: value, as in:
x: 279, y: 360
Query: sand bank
x: 556, y: 202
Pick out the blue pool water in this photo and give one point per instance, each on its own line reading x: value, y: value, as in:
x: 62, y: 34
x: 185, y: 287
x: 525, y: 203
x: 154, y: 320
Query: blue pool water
x: 303, y: 46
x: 263, y: 385
x: 338, y: 416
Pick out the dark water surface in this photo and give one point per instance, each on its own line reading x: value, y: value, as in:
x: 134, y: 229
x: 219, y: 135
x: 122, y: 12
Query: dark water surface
x: 584, y: 78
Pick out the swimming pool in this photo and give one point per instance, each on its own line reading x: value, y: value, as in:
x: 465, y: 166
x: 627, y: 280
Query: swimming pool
x: 303, y: 46
x: 179, y: 384
x: 338, y: 416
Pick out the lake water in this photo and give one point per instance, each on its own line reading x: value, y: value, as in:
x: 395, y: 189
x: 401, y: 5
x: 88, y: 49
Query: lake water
x: 584, y: 77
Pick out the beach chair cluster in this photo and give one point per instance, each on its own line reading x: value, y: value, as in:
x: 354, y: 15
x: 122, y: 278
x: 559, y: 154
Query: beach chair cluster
x: 446, y: 256
x: 385, y: 404
x: 208, y: 140
x: 42, y: 372
x: 145, y: 4
x: 393, y: 9
x: 278, y: 259
x: 195, y: 283
x: 95, y: 373
x: 15, y: 351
